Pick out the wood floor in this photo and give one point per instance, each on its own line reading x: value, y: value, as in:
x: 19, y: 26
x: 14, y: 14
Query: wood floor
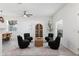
x: 11, y: 48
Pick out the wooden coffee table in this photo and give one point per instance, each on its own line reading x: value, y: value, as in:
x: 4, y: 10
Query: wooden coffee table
x: 39, y: 42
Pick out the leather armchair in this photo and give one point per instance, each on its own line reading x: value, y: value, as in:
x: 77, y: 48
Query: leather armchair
x: 50, y: 36
x: 54, y: 44
x: 22, y: 43
x: 27, y: 37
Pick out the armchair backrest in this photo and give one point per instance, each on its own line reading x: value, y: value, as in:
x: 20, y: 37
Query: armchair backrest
x: 26, y: 34
x: 50, y: 35
x: 19, y: 38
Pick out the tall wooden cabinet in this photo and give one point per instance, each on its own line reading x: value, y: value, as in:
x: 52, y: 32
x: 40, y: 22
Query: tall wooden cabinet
x: 39, y: 30
x: 39, y: 35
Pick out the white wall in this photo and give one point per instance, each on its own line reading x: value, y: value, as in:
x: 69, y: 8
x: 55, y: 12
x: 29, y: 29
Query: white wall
x: 70, y: 17
x: 3, y: 26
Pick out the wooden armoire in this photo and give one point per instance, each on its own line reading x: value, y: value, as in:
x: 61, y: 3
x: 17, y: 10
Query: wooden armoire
x: 38, y: 35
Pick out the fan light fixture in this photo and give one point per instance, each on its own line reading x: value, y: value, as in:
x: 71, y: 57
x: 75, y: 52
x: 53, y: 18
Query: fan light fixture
x: 27, y: 14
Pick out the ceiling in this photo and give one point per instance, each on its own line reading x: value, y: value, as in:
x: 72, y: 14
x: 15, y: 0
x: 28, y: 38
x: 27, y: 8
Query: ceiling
x: 37, y: 9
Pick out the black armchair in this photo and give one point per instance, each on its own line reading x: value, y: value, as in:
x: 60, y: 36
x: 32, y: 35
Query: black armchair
x: 54, y: 44
x: 27, y: 37
x: 22, y: 43
x: 50, y: 36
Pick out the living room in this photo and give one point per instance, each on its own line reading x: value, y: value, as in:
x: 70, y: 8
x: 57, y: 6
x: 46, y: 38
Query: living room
x: 39, y: 20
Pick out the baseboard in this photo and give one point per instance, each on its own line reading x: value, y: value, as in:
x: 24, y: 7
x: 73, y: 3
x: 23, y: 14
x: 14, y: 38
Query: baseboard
x: 73, y: 51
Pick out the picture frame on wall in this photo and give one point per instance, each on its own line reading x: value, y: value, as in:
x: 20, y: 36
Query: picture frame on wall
x: 2, y: 19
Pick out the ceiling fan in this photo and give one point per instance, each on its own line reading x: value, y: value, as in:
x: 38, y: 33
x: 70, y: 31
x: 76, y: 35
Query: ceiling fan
x: 27, y: 14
